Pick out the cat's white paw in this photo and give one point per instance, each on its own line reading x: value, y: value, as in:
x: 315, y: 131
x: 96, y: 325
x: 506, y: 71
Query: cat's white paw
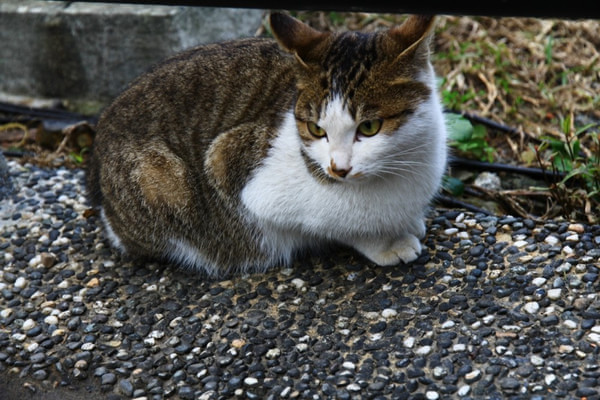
x: 405, y: 249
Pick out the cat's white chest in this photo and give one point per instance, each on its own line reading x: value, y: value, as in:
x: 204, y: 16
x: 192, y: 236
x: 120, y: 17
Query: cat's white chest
x: 282, y: 194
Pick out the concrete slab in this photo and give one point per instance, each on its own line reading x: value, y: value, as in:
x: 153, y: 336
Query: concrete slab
x: 86, y: 53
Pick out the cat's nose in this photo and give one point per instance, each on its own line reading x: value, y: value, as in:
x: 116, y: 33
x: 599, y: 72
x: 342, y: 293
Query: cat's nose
x: 337, y: 171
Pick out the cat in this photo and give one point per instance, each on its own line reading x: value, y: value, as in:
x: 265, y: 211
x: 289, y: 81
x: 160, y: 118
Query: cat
x: 234, y: 156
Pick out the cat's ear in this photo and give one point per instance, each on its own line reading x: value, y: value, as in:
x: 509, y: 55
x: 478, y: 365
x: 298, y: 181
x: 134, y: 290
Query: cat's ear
x: 412, y: 38
x: 297, y: 38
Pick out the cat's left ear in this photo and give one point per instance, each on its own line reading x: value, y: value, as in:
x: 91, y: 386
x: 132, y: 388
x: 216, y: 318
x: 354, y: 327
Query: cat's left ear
x: 412, y: 38
x: 297, y: 38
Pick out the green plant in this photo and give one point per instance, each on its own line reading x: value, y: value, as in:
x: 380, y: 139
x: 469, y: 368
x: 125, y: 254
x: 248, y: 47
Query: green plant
x: 78, y: 157
x: 454, y: 100
x: 576, y: 157
x: 468, y: 138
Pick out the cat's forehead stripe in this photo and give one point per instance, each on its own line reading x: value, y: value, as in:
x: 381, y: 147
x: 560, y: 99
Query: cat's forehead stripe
x: 351, y: 55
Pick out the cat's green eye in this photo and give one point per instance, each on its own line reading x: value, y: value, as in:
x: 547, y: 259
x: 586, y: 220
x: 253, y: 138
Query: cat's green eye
x: 316, y: 130
x: 369, y: 127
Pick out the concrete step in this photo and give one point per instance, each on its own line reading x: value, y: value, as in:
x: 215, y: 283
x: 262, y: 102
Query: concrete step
x: 86, y: 53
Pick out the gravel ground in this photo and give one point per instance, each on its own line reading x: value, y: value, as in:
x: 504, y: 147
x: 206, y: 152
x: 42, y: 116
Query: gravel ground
x: 495, y: 307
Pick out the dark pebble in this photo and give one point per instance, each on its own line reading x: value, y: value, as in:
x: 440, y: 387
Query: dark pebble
x: 477, y: 251
x: 186, y: 393
x: 183, y: 348
x: 510, y: 384
x: 109, y: 379
x: 549, y: 320
x: 586, y: 392
x: 126, y: 387
x: 39, y: 375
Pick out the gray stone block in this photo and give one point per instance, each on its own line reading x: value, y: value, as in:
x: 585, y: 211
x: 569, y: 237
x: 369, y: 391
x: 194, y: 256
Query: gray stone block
x: 86, y: 53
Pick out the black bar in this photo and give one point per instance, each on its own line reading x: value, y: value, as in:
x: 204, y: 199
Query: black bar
x: 547, y: 9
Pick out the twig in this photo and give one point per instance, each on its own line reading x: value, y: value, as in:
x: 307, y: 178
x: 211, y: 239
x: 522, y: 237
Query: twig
x: 451, y: 202
x: 536, y: 173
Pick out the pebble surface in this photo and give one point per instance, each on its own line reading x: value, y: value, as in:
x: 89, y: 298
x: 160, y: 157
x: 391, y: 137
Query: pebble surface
x: 495, y: 307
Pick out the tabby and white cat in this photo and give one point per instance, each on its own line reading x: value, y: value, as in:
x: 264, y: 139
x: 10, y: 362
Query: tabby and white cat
x: 234, y: 156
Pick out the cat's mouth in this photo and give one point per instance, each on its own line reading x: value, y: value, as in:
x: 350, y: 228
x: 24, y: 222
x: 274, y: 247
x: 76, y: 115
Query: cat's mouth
x: 330, y: 174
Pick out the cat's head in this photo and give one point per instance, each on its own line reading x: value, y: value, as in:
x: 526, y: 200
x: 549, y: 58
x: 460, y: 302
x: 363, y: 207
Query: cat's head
x: 363, y: 98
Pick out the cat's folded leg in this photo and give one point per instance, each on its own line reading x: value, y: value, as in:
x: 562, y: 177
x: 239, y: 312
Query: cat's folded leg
x: 390, y: 252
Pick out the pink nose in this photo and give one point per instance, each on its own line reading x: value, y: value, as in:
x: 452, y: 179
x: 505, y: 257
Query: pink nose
x: 339, y: 172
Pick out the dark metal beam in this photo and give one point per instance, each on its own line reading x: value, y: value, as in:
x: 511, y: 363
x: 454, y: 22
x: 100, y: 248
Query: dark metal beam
x: 573, y: 9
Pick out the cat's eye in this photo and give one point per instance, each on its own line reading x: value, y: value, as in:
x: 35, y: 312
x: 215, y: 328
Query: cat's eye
x: 369, y: 127
x: 316, y: 130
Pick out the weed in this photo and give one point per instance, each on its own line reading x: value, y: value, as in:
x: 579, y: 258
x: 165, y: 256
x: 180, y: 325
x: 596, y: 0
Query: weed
x: 577, y: 155
x: 468, y: 138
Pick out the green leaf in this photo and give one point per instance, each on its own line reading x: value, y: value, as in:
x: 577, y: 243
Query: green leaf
x: 460, y: 129
x: 576, y: 147
x: 479, y: 132
x: 452, y: 185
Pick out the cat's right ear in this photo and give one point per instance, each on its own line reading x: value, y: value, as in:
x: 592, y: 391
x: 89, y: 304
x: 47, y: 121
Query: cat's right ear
x: 297, y: 38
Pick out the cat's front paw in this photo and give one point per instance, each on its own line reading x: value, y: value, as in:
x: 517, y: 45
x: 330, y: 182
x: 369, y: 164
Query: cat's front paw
x: 406, y: 249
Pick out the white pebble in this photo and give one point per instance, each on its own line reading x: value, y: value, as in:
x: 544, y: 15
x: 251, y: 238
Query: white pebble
x: 539, y: 281
x: 473, y: 374
x: 28, y: 324
x: 549, y: 379
x: 564, y: 268
x: 448, y: 324
x: 301, y: 347
x: 464, y: 390
x: 299, y: 283
x: 349, y: 365
x: 250, y: 381
x: 565, y: 348
x: 570, y: 324
x: 31, y: 347
x: 567, y: 250
x: 20, y: 283
x: 409, y: 342
x: 175, y: 321
x: 19, y: 337
x: 156, y: 334
x: 573, y: 238
x: 536, y: 360
x: 451, y: 231
x: 88, y: 346
x: 594, y: 337
x: 273, y: 353
x: 554, y: 294
x: 388, y: 313
x: 423, y: 350
x: 520, y: 243
x: 551, y: 240
x: 37, y: 259
x: 354, y: 387
x: 51, y: 320
x: 458, y: 347
x: 6, y: 312
x: 531, y: 307
x: 431, y: 395
x: 463, y: 235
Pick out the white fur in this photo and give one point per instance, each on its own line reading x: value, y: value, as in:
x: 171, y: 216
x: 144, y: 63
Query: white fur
x: 378, y: 209
x: 115, y: 241
x: 183, y: 253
